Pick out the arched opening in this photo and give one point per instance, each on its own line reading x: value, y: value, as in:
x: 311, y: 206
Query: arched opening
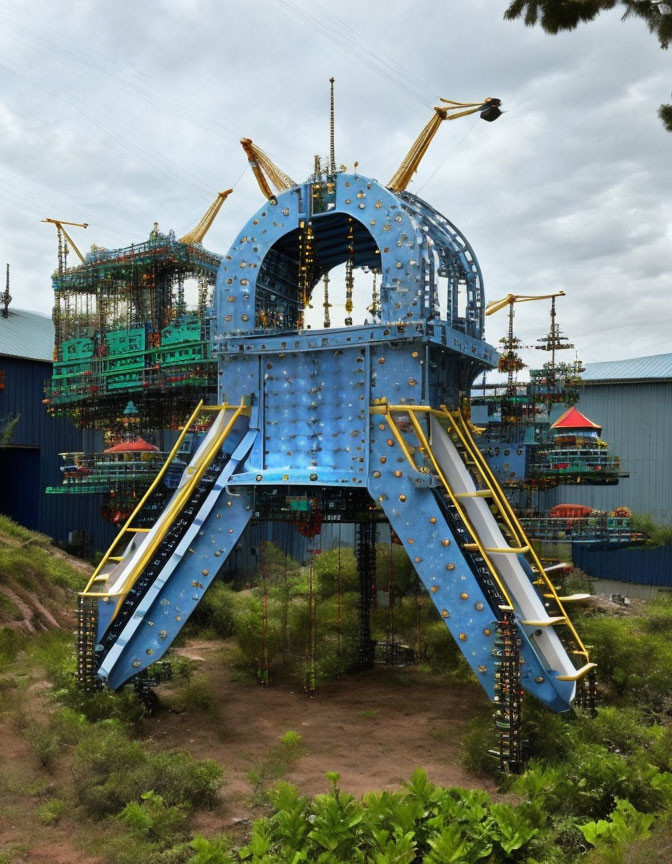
x: 336, y: 245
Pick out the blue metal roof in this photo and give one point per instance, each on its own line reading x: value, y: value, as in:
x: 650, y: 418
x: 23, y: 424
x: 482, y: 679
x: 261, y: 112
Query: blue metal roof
x: 656, y: 367
x: 29, y: 335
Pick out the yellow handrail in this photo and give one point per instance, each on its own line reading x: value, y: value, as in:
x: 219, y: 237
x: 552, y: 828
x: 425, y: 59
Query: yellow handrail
x: 501, y: 501
x: 174, y: 508
x: 505, y: 508
x: 425, y: 444
x: 487, y: 476
x: 173, y: 453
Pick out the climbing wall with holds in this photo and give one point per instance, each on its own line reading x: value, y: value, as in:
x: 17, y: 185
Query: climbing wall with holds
x: 349, y: 408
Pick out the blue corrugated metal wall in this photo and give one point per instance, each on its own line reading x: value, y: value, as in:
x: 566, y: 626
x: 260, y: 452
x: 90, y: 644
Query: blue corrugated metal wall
x: 637, y: 423
x: 31, y: 462
x: 639, y: 565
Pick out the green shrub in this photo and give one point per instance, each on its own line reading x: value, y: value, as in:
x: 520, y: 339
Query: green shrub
x: 479, y: 739
x: 197, y: 696
x: 51, y: 812
x: 111, y: 770
x: 634, y: 663
x: 216, y: 611
x: 422, y: 822
x: 656, y: 534
x: 624, y: 826
x: 45, y: 744
x: 441, y: 653
x: 327, y: 570
x: 210, y: 851
x: 151, y: 818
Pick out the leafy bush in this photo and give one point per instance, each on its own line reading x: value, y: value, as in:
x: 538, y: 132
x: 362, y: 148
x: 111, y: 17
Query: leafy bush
x: 634, y: 663
x: 422, y: 822
x: 216, y: 611
x: 153, y: 819
x: 196, y: 695
x: 656, y: 534
x: 210, y: 851
x: 111, y: 770
x: 45, y: 744
x: 51, y: 812
x: 625, y: 825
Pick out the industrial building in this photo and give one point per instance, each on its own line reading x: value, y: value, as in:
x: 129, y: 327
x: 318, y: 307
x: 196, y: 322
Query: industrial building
x: 29, y: 460
x: 632, y: 400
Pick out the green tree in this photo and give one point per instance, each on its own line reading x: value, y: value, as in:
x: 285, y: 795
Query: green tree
x: 558, y: 15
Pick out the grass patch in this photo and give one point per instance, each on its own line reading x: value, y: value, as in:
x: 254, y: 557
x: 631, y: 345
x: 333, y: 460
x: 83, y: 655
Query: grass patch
x: 274, y: 765
x: 10, y: 528
x: 30, y: 565
x: 196, y: 696
x: 51, y: 812
x: 111, y: 770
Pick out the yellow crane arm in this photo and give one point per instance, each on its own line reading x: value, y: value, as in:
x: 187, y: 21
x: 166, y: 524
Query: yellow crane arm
x: 510, y: 299
x: 260, y: 163
x: 59, y: 223
x: 197, y: 234
x: 489, y: 110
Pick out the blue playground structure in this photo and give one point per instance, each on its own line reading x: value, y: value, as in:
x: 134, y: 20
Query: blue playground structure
x: 360, y: 422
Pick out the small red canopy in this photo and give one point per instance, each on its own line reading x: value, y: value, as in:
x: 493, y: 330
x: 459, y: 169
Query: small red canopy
x: 137, y: 446
x: 569, y: 511
x: 573, y: 419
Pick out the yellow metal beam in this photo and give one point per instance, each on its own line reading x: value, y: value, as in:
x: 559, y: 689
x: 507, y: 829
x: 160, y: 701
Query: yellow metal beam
x: 580, y: 673
x: 59, y: 223
x: 175, y: 508
x: 127, y: 525
x: 459, y: 425
x: 422, y: 439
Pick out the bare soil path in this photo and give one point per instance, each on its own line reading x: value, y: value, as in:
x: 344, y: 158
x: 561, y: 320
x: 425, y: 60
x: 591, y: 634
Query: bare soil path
x: 374, y: 729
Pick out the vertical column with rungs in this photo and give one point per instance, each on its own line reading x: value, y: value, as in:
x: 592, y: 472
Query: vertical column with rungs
x: 586, y: 693
x: 87, y: 620
x: 365, y: 541
x: 508, y: 693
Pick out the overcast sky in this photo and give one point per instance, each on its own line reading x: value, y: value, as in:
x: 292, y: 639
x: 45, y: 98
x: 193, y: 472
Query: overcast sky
x: 120, y: 114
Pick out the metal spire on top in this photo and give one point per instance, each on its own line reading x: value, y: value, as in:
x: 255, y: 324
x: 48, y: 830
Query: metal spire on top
x: 332, y: 151
x: 6, y: 297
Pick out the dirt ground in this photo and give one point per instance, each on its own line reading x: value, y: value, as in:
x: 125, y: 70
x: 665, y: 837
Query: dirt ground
x: 374, y: 729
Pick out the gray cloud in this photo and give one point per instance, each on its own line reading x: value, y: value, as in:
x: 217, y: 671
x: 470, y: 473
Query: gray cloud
x: 121, y: 114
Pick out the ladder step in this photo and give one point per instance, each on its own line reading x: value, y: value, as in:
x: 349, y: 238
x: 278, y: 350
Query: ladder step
x: 510, y: 550
x: 571, y: 598
x: 482, y: 493
x: 115, y: 558
x: 580, y: 673
x: 139, y: 530
x: 546, y: 622
x: 471, y: 547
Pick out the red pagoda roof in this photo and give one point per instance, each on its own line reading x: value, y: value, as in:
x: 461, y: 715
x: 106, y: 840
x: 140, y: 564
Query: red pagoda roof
x: 573, y: 419
x: 137, y: 446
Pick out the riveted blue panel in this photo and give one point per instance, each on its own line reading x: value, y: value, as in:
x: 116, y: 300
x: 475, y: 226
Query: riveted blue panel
x: 311, y: 393
x: 168, y: 604
x: 412, y: 508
